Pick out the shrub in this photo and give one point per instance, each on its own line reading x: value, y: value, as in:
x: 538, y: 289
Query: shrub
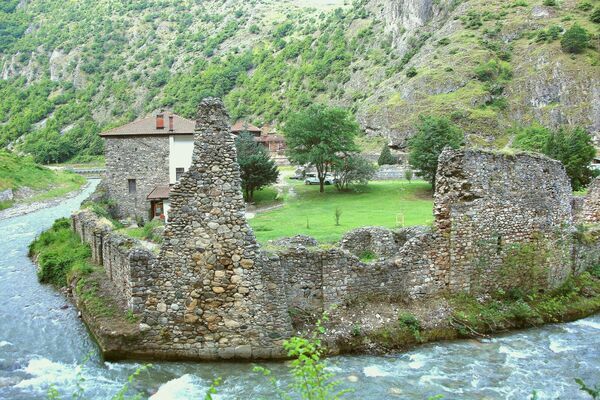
x: 575, y: 39
x: 59, y: 253
x: 412, y: 71
x: 408, y: 174
x: 353, y: 169
x: 595, y: 15
x: 386, y: 157
x: 585, y: 6
x: 550, y: 3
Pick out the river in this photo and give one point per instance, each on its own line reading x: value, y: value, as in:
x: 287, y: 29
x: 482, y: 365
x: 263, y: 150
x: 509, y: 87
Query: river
x: 42, y: 343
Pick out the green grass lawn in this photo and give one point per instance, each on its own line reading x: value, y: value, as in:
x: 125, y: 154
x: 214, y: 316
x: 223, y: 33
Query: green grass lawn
x: 390, y: 204
x: 17, y: 172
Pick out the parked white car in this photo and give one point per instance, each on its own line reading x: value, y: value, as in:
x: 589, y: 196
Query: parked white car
x: 313, y: 179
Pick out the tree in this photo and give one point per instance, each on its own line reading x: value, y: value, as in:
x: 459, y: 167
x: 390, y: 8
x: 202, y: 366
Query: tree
x: 532, y: 138
x: 575, y: 39
x: 257, y: 170
x: 576, y: 151
x: 573, y: 148
x: 433, y: 134
x: 386, y: 157
x: 320, y: 136
x: 353, y: 169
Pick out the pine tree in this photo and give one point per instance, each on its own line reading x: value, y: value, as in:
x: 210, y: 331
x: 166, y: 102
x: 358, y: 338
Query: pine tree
x: 386, y: 157
x: 257, y: 170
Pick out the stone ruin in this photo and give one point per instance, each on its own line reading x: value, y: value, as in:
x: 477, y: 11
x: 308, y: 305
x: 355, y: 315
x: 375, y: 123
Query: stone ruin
x: 212, y: 293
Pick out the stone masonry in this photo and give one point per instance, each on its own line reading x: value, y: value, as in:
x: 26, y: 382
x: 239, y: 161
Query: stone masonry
x: 145, y: 159
x: 212, y: 293
x: 208, y: 293
x: 590, y: 209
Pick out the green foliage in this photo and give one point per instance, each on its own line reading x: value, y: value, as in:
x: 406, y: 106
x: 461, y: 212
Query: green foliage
x: 550, y: 3
x: 594, y: 392
x: 595, y: 15
x: 408, y: 174
x: 493, y: 70
x: 577, y: 297
x: 367, y: 256
x: 337, y: 214
x: 531, y: 138
x: 60, y: 253
x: 310, y: 378
x: 573, y: 148
x: 320, y: 136
x: 550, y: 34
x: 585, y: 6
x: 352, y: 169
x: 212, y: 389
x: 433, y: 135
x: 576, y: 151
x: 257, y: 169
x: 409, y: 322
x: 575, y: 40
x: 386, y: 157
x: 412, y: 71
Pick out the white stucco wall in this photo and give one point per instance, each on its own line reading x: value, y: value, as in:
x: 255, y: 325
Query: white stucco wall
x: 181, y: 148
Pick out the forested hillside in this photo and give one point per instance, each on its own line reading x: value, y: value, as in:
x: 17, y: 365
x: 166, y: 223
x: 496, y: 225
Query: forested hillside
x: 73, y: 68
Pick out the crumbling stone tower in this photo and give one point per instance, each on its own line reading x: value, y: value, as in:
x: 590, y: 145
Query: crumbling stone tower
x: 211, y: 296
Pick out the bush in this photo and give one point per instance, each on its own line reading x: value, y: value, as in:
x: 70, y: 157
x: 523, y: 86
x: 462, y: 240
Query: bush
x: 59, y: 253
x: 585, y: 6
x: 575, y: 40
x: 412, y: 71
x: 386, y: 157
x: 353, y: 169
x: 595, y: 15
x: 550, y: 3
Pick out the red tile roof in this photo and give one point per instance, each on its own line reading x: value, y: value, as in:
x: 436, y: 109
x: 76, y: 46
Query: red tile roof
x: 242, y: 126
x: 159, y: 192
x: 147, y: 126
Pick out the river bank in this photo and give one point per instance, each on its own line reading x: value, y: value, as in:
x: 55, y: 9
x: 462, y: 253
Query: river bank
x: 19, y: 209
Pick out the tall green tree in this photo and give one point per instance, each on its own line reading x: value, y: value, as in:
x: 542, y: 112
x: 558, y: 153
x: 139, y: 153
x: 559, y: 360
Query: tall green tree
x: 257, y: 170
x: 433, y: 134
x: 573, y: 148
x: 576, y: 151
x: 320, y: 136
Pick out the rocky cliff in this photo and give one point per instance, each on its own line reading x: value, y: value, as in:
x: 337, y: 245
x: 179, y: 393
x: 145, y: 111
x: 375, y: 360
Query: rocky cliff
x: 72, y: 69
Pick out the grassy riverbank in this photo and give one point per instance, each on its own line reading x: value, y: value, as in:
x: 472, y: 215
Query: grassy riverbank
x: 31, y: 182
x: 308, y: 212
x: 64, y: 261
x: 464, y: 316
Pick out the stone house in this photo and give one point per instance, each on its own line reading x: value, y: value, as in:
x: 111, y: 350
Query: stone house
x: 144, y: 159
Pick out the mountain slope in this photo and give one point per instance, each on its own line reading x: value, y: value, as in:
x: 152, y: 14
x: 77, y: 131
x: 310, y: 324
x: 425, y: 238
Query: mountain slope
x: 71, y: 69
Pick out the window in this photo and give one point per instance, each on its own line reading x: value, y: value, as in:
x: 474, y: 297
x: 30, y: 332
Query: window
x: 178, y: 173
x: 132, y: 187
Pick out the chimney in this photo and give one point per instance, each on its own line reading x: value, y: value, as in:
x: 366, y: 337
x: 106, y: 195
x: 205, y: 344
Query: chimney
x: 160, y: 121
x: 171, y: 129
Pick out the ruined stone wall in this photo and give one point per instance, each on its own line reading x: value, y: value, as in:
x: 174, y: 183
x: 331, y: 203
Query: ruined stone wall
x: 123, y: 258
x: 590, y: 209
x: 145, y: 159
x: 496, y: 211
x: 211, y: 293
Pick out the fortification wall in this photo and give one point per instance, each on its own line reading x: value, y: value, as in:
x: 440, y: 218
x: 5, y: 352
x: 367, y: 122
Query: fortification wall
x: 495, y: 211
x: 590, y: 209
x: 501, y: 221
x: 210, y: 294
x: 124, y: 259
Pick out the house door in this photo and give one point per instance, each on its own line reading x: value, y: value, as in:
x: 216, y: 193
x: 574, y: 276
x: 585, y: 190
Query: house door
x: 157, y: 209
